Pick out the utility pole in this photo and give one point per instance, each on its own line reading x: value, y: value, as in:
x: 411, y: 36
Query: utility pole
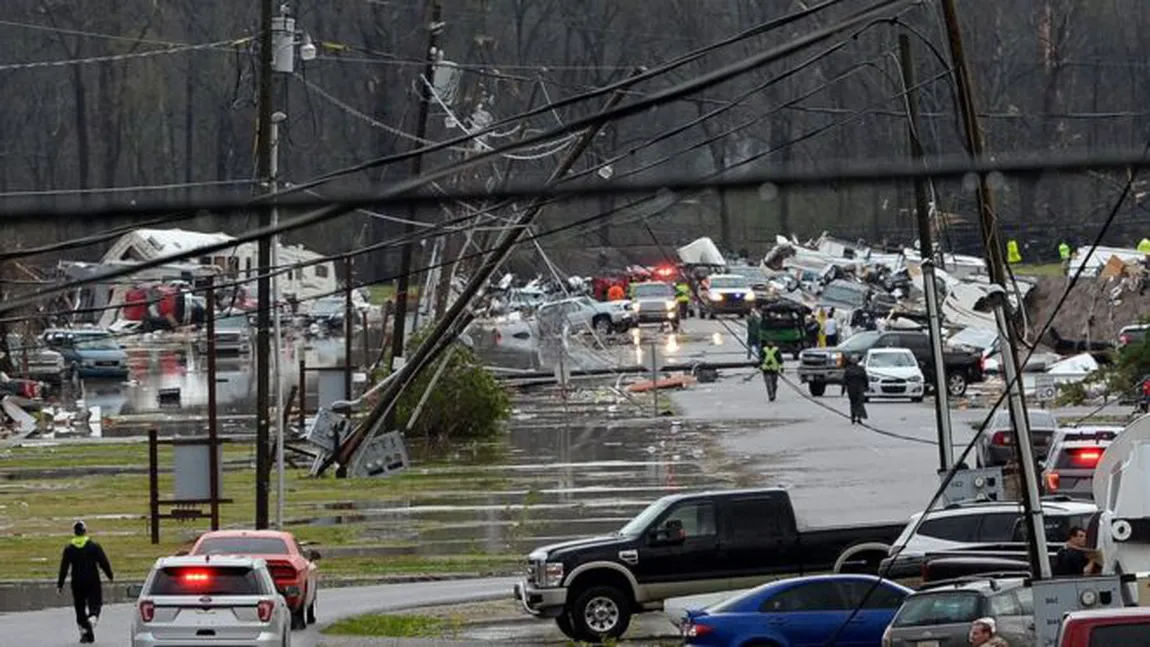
x: 263, y: 261
x: 996, y: 267
x: 926, y: 247
x: 404, y: 280
x: 277, y: 346
x: 213, y: 419
x: 348, y: 327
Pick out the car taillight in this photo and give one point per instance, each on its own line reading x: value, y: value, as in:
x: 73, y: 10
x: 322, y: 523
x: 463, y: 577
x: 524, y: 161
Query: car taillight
x: 1052, y: 482
x: 264, y: 609
x: 1085, y: 457
x: 696, y: 630
x: 1123, y: 339
x: 147, y: 610
x: 1000, y: 438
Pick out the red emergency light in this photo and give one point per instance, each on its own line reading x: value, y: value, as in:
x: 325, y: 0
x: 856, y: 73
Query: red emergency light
x: 196, y: 577
x: 664, y: 271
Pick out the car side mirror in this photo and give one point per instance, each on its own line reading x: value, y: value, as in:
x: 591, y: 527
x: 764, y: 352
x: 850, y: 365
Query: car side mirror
x: 135, y: 590
x: 313, y: 555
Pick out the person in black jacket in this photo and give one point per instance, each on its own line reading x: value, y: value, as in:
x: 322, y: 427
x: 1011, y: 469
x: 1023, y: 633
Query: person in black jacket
x: 1074, y: 557
x: 85, y: 558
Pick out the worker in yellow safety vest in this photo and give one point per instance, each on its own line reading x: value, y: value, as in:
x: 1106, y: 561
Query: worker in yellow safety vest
x: 1064, y: 253
x: 1012, y: 254
x: 771, y: 365
x: 683, y: 298
x: 821, y: 317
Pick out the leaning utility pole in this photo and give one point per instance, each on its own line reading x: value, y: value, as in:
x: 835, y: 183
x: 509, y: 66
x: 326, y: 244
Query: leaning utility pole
x: 404, y: 280
x: 996, y: 267
x: 263, y: 280
x: 926, y: 247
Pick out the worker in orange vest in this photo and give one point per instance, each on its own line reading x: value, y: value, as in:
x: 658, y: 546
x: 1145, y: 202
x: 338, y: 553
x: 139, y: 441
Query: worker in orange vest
x: 615, y: 292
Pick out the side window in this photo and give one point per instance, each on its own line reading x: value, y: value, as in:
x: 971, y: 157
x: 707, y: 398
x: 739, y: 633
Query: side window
x: 957, y: 528
x: 753, y: 520
x: 998, y: 527
x: 881, y: 597
x: 1005, y: 604
x: 887, y: 341
x: 816, y: 596
x: 696, y: 519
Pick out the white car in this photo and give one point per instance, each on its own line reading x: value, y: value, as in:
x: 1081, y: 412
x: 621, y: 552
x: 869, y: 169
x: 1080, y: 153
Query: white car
x: 210, y: 600
x: 586, y: 314
x: 893, y: 373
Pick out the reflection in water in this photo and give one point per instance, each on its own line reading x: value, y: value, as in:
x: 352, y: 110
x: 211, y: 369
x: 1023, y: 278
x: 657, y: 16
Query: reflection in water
x: 717, y: 339
x: 672, y: 345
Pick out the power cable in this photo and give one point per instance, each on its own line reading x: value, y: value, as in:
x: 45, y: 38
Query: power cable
x: 699, y: 83
x: 1010, y: 386
x: 114, y: 58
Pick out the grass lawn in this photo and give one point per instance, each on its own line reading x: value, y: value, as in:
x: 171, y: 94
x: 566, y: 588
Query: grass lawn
x: 382, y: 293
x: 395, y: 626
x: 1044, y: 269
x: 36, y: 515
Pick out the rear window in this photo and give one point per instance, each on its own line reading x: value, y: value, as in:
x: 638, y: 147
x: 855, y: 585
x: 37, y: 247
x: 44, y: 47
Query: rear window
x: 1138, y: 634
x: 952, y: 607
x: 241, y: 546
x: 1079, y: 457
x: 206, y: 580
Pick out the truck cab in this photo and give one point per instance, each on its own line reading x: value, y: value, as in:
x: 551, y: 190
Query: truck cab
x: 1105, y: 628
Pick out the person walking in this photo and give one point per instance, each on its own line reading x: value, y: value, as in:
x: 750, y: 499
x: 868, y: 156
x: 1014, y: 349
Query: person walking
x: 831, y: 328
x: 754, y: 328
x: 1064, y: 254
x: 683, y: 299
x: 1074, y: 557
x: 85, y: 559
x: 855, y: 384
x: 771, y: 365
x: 984, y: 633
x: 821, y: 317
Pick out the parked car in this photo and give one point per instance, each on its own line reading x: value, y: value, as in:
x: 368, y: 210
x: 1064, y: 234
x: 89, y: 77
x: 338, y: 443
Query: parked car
x: 583, y: 314
x: 194, y: 600
x: 967, y: 524
x: 996, y: 444
x: 233, y: 335
x: 800, y: 611
x: 681, y: 545
x: 1132, y: 334
x: 328, y: 315
x: 1069, y: 467
x: 893, y: 373
x: 291, y: 566
x: 727, y: 294
x: 35, y: 361
x: 760, y: 281
x: 88, y: 352
x: 941, y: 613
x: 654, y: 302
x: 1105, y: 627
x: 819, y: 367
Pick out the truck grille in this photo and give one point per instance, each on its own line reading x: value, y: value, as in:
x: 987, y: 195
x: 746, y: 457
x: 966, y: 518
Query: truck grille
x: 813, y: 359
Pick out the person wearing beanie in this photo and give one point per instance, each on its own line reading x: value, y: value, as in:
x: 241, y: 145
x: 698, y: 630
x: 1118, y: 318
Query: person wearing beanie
x: 984, y: 633
x: 85, y: 559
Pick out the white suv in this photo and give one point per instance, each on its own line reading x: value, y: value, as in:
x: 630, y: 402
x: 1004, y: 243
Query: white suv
x: 965, y: 524
x: 210, y: 600
x: 584, y: 313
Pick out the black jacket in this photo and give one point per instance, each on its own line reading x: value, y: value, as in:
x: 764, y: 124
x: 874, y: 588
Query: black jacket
x: 86, y: 559
x: 1070, y: 561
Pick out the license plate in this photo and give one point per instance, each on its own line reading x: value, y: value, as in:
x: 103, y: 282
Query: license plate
x: 927, y: 643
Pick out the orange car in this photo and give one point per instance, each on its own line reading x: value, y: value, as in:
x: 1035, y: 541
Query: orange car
x: 292, y: 567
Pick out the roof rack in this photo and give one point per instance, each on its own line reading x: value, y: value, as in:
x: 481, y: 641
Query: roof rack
x: 991, y: 577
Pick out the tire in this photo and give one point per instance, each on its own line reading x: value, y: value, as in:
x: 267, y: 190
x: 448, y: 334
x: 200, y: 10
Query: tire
x: 298, y: 621
x: 601, y: 324
x: 918, y: 399
x: 796, y: 356
x: 817, y: 389
x: 310, y: 616
x: 563, y: 620
x: 956, y: 385
x: 600, y: 613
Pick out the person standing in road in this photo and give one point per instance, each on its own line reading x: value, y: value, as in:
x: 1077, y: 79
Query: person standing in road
x: 771, y: 365
x: 1064, y: 253
x: 821, y: 318
x: 855, y: 382
x: 615, y: 292
x: 984, y: 633
x: 754, y: 321
x: 85, y: 558
x: 683, y: 299
x: 831, y: 328
x: 1074, y: 556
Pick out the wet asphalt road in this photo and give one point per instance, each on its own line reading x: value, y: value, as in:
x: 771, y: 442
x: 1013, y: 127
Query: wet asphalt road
x: 56, y: 627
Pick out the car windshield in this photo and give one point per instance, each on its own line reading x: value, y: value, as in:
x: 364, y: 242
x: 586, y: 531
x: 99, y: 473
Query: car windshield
x: 235, y: 322
x: 951, y: 607
x: 752, y: 274
x: 654, y: 290
x: 644, y: 518
x: 1039, y: 419
x: 860, y: 342
x: 206, y: 580
x: 890, y: 360
x: 728, y: 282
x: 844, y: 294
x: 241, y: 546
x: 974, y: 338
x: 103, y: 341
x: 328, y: 307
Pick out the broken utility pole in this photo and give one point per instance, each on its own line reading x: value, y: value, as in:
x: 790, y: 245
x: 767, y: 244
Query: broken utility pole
x: 433, y: 343
x: 996, y: 267
x: 926, y: 248
x: 403, y: 282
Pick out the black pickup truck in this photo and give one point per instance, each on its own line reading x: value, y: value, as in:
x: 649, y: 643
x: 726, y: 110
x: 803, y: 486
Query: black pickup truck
x: 819, y: 367
x: 686, y: 544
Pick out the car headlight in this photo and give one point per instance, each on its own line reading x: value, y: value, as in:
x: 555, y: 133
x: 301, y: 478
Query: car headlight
x: 670, y: 305
x: 914, y: 379
x: 750, y: 294
x: 552, y: 574
x: 873, y: 378
x: 635, y: 306
x: 715, y: 296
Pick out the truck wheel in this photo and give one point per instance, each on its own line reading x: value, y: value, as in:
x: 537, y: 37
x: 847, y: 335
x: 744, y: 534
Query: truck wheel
x: 298, y: 621
x: 869, y: 553
x: 564, y: 622
x: 956, y: 385
x: 817, y: 388
x: 600, y: 612
x: 601, y: 324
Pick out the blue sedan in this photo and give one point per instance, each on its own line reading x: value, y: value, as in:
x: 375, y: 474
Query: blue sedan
x: 800, y: 612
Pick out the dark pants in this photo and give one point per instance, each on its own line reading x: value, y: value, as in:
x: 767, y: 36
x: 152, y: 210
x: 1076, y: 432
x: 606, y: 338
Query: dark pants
x: 771, y: 379
x: 832, y: 340
x: 87, y: 602
x: 683, y: 309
